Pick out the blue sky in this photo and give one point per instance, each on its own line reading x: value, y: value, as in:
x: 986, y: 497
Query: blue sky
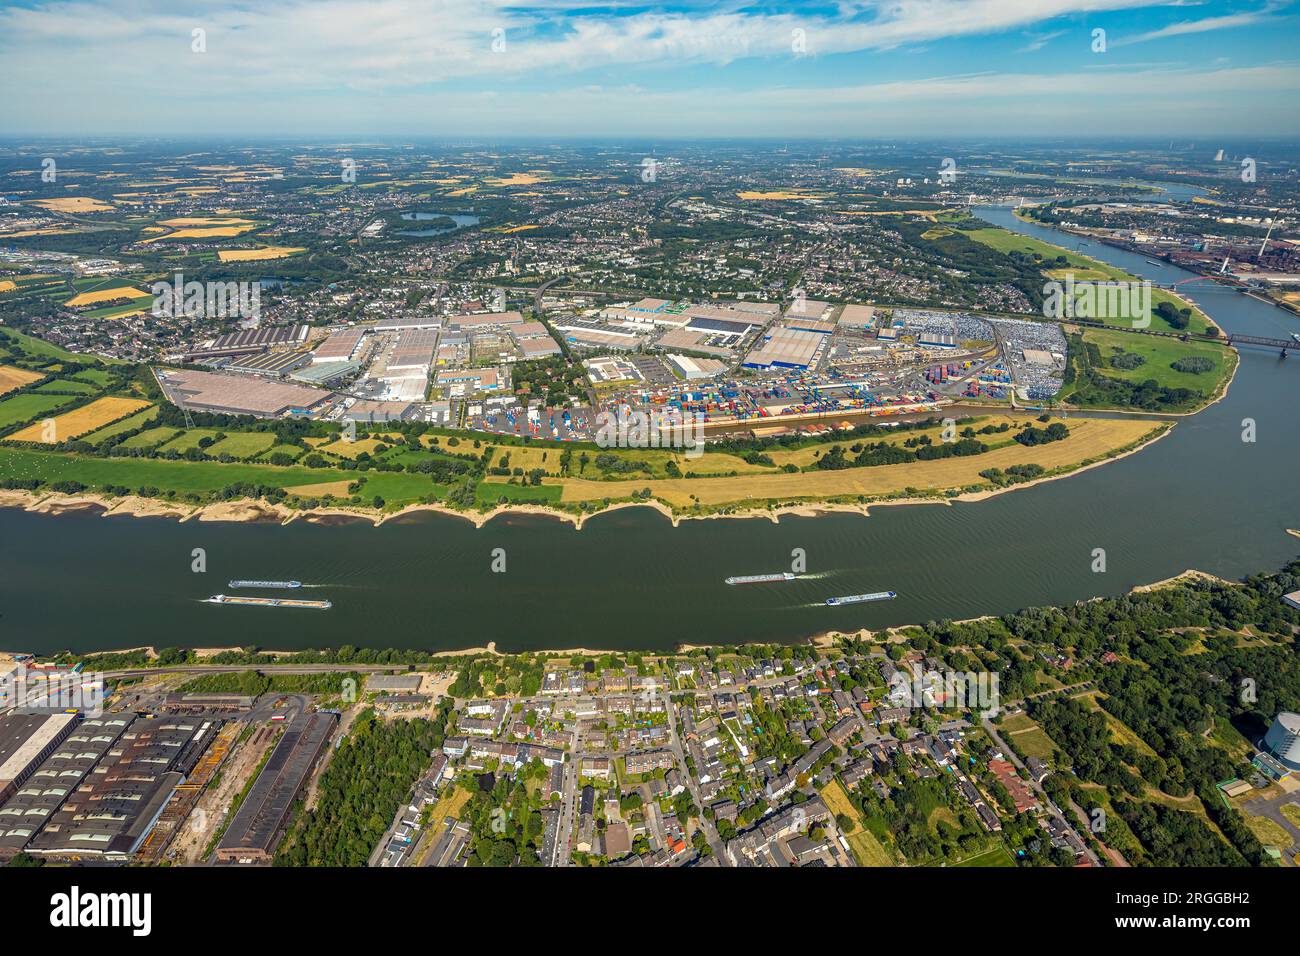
x: 485, y: 68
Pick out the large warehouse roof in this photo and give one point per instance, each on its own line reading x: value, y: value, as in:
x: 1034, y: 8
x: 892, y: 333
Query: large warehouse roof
x: 236, y: 395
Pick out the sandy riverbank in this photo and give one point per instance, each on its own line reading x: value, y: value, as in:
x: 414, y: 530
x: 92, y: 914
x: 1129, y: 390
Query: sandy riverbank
x: 1190, y: 574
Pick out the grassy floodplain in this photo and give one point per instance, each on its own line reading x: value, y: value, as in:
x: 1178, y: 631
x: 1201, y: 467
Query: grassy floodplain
x: 1090, y: 440
x: 1159, y: 353
x: 1085, y: 268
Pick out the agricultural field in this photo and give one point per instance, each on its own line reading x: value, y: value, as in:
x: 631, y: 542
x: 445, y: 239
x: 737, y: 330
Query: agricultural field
x: 180, y: 222
x: 125, y: 425
x: 118, y: 311
x: 258, y: 255
x: 87, y: 418
x: 106, y: 295
x: 74, y: 204
x: 150, y: 437
x: 12, y: 378
x: 68, y: 386
x: 189, y: 438
x: 182, y: 477
x: 350, y: 449
x: 491, y: 491
x: 293, y: 451
x: 24, y: 407
x: 97, y: 376
x: 242, y: 444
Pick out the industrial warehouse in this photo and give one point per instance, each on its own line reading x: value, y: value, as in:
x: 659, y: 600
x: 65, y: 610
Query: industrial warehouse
x: 261, y: 820
x: 238, y: 395
x: 55, y: 779
x: 110, y: 813
x: 25, y: 740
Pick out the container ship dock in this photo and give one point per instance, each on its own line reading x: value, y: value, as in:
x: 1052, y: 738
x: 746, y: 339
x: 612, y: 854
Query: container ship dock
x: 268, y: 602
x: 264, y: 584
x: 760, y: 578
x: 862, y: 598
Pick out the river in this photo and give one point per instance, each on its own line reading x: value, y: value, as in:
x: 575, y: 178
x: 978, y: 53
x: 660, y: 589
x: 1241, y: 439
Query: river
x: 1199, y: 498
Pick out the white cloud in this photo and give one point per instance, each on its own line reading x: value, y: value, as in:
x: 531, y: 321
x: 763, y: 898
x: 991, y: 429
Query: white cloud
x: 1204, y: 25
x: 1038, y: 42
x: 396, y: 65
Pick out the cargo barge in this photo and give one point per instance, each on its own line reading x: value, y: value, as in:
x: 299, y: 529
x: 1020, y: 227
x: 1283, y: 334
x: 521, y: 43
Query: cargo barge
x: 862, y: 598
x: 268, y: 602
x: 760, y: 578
x: 265, y: 584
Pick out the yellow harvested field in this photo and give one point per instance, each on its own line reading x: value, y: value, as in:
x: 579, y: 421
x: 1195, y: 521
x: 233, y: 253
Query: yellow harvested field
x: 11, y: 378
x: 73, y: 204
x: 107, y: 295
x: 7, y: 285
x: 339, y: 489
x: 256, y: 255
x: 79, y: 421
x: 783, y: 194
x: 931, y: 214
x: 804, y: 457
x: 350, y: 449
x: 36, y: 232
x: 1090, y: 439
x: 518, y: 179
x: 202, y: 232
x: 182, y: 221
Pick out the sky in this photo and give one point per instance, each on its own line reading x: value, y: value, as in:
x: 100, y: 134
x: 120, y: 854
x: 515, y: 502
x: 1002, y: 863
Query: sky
x: 1093, y: 69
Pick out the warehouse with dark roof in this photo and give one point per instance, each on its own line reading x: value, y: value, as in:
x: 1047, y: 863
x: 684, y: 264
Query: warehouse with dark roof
x: 111, y: 812
x: 258, y: 826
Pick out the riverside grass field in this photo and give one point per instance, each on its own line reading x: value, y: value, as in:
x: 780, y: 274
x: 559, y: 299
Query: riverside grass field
x: 1089, y: 441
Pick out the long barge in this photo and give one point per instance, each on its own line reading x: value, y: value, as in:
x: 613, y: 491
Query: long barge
x: 760, y: 578
x: 269, y: 602
x: 862, y: 598
x: 264, y: 584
